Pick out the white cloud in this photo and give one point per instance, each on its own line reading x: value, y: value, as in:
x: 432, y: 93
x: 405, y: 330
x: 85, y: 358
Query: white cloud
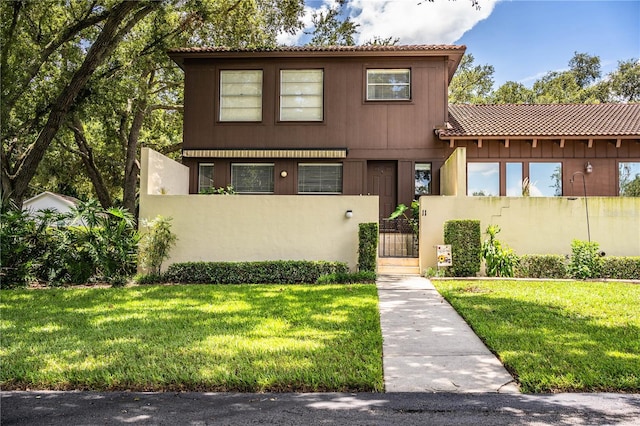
x: 415, y: 21
x: 412, y: 21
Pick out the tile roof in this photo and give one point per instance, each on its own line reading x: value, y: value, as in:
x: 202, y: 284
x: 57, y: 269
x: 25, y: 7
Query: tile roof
x: 287, y: 49
x: 543, y: 120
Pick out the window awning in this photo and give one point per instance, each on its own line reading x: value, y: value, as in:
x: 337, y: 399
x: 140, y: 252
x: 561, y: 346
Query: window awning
x: 265, y: 153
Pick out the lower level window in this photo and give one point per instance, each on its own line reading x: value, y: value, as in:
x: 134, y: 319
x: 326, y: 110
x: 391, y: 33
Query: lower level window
x: 319, y: 178
x: 483, y: 179
x: 422, y: 179
x: 252, y: 177
x: 629, y: 178
x: 545, y: 179
x: 205, y: 177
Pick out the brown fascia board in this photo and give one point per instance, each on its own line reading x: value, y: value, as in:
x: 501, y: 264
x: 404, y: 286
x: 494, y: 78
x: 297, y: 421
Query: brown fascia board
x: 453, y: 54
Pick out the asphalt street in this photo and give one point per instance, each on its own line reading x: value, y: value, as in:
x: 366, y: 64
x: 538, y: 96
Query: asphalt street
x: 127, y: 408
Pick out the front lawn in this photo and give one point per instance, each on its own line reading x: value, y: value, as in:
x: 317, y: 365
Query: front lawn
x: 197, y: 337
x: 556, y: 336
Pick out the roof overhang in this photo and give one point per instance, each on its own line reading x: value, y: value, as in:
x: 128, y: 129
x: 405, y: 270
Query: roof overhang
x: 266, y: 153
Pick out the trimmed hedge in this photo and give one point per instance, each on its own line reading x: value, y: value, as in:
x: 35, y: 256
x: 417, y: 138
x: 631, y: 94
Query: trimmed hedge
x: 622, y: 268
x: 464, y: 237
x: 541, y: 266
x: 368, y: 246
x: 266, y: 272
x: 362, y: 277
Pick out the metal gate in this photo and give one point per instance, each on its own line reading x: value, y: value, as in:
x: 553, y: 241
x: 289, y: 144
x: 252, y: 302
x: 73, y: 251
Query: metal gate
x: 398, y: 238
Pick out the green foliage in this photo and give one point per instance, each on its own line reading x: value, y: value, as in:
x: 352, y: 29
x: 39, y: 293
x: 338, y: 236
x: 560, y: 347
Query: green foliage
x: 148, y: 278
x: 464, y: 237
x: 266, y: 272
x: 541, y: 266
x: 44, y: 247
x: 414, y: 219
x: 585, y: 260
x: 471, y: 84
x: 434, y: 272
x: 622, y: 268
x: 361, y: 277
x: 367, y: 246
x: 155, y: 244
x: 499, y: 260
x: 228, y: 190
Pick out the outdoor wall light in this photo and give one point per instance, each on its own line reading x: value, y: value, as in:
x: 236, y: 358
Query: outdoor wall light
x: 283, y: 173
x: 349, y: 214
x: 588, y: 168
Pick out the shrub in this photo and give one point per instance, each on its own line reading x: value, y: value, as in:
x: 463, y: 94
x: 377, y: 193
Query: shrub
x: 155, y: 244
x: 367, y: 246
x: 464, y: 237
x: 363, y: 277
x: 499, y: 260
x: 622, y: 268
x: 541, y: 266
x: 267, y: 272
x: 585, y: 260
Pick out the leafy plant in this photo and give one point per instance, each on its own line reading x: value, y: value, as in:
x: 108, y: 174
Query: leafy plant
x: 414, y: 219
x: 431, y: 272
x: 155, y: 244
x: 367, y: 246
x: 362, y: 277
x: 499, y: 260
x: 621, y: 267
x: 585, y: 260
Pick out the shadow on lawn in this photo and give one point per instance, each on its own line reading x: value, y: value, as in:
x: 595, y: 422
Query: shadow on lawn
x: 578, y: 352
x: 246, y: 338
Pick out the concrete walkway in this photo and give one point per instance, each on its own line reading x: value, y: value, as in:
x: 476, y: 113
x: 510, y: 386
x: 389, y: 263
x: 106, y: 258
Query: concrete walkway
x: 428, y: 347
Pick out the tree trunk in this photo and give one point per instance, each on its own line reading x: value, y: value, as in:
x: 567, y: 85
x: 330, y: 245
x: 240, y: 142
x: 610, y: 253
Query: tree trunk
x: 15, y: 182
x: 86, y: 154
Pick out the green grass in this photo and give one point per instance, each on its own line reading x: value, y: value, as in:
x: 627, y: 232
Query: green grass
x: 197, y: 337
x: 556, y: 336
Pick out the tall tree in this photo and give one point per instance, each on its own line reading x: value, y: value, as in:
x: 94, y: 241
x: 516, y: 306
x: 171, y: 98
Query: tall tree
x: 624, y: 83
x: 472, y: 84
x: 585, y: 68
x: 512, y: 93
x: 331, y: 28
x: 100, y: 77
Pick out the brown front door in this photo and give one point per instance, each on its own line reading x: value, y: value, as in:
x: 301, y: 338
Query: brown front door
x: 382, y: 181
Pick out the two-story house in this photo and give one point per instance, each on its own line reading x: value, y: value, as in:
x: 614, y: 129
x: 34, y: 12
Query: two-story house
x: 318, y: 120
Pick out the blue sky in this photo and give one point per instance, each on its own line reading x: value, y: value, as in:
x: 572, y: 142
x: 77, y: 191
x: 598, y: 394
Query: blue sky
x: 522, y: 39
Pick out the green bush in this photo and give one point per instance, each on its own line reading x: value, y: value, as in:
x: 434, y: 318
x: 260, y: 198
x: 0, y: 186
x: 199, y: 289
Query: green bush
x: 266, y: 272
x: 362, y: 277
x: 368, y: 246
x: 464, y: 237
x: 622, y: 268
x: 585, y: 260
x: 541, y: 266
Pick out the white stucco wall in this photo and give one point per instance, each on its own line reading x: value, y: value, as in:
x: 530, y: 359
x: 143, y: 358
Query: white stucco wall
x: 251, y: 227
x: 532, y: 225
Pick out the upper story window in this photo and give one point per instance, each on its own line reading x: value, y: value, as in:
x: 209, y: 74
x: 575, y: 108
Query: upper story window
x: 389, y: 84
x: 319, y: 178
x: 252, y: 177
x: 241, y: 95
x: 301, y: 95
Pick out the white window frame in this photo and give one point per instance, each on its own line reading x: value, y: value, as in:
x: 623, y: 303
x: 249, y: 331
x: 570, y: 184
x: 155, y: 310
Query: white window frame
x: 240, y: 101
x: 240, y: 188
x: 336, y: 165
x: 373, y: 71
x: 202, y: 187
x: 301, y: 95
